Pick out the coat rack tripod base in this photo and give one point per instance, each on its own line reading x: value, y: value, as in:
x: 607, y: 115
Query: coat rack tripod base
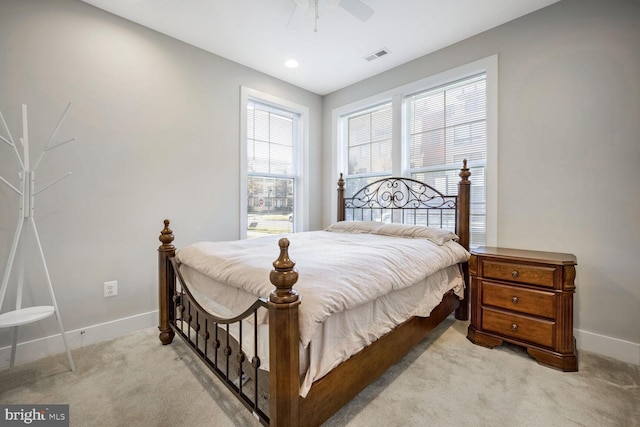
x: 21, y: 316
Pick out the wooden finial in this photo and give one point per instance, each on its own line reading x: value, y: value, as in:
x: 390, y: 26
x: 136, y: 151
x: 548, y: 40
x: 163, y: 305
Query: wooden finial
x: 166, y: 236
x: 283, y: 276
x: 340, y: 214
x: 464, y: 172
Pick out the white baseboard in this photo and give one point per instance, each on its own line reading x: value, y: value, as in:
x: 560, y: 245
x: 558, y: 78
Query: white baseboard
x: 615, y: 348
x: 618, y: 349
x: 37, y: 349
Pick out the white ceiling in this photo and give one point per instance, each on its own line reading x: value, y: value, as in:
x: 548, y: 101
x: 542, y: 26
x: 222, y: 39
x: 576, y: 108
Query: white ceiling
x: 263, y: 34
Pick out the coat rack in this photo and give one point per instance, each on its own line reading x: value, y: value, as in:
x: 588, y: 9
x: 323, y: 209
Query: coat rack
x: 20, y: 316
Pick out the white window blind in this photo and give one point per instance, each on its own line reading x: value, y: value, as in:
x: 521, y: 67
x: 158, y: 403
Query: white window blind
x: 444, y: 126
x: 270, y: 140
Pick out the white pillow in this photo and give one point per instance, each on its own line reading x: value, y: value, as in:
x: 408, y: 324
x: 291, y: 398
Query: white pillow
x: 354, y: 226
x: 438, y: 236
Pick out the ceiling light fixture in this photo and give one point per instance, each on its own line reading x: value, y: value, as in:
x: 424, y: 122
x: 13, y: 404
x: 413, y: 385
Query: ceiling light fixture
x: 291, y: 63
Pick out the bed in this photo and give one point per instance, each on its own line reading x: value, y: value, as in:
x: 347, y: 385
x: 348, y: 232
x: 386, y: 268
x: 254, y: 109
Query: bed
x: 295, y: 353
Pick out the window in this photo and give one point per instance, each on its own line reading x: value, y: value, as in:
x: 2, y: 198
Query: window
x: 424, y: 130
x: 273, y: 135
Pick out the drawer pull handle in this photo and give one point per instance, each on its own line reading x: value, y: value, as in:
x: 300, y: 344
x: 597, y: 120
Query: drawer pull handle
x: 515, y: 273
x: 514, y: 327
x: 515, y: 300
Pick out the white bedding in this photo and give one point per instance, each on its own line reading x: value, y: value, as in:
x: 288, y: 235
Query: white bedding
x: 349, y: 297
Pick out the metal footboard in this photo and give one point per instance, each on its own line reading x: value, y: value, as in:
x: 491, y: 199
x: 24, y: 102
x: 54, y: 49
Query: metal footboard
x: 218, y: 342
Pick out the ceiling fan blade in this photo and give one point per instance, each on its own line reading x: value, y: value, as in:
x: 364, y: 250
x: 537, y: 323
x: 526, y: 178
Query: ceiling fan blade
x: 300, y: 11
x: 358, y: 9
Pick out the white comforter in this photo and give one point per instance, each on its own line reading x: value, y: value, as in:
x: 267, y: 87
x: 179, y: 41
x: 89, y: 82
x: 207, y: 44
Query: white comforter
x: 339, y: 268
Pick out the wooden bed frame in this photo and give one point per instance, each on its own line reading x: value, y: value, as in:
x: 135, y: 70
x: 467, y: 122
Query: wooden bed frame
x: 343, y: 383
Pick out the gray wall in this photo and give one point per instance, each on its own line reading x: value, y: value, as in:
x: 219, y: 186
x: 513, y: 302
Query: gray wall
x: 157, y: 123
x: 569, y: 144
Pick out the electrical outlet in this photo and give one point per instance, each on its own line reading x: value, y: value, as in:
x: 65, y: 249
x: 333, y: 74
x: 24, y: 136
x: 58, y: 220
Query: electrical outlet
x: 110, y: 288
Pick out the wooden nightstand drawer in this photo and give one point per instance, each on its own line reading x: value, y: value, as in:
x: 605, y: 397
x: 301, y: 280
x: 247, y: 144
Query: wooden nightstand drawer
x: 523, y: 328
x: 530, y: 301
x: 523, y: 273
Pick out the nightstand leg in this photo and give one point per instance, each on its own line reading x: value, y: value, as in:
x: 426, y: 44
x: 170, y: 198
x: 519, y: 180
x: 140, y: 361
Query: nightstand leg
x: 479, y: 338
x: 563, y: 362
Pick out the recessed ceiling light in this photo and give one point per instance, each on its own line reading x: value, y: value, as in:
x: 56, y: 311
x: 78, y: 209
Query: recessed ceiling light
x: 291, y: 63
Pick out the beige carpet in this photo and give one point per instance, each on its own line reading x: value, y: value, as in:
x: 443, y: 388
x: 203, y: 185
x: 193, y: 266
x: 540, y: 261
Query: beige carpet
x: 444, y: 381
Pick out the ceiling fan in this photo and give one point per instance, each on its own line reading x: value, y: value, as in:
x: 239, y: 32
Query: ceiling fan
x: 357, y: 8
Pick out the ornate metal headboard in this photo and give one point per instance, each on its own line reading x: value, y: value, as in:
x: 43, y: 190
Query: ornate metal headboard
x: 401, y: 200
x: 409, y: 201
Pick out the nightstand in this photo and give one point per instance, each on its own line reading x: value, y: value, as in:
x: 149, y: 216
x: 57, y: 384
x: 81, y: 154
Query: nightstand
x: 525, y: 298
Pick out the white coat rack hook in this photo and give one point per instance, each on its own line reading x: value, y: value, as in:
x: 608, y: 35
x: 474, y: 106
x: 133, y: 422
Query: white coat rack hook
x: 48, y: 146
x: 10, y: 140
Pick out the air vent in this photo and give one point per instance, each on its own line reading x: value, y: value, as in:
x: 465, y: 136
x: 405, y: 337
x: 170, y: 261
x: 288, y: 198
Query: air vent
x: 377, y: 54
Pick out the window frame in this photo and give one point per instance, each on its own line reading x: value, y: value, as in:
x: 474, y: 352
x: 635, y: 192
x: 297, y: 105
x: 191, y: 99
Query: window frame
x: 400, y: 157
x: 301, y: 162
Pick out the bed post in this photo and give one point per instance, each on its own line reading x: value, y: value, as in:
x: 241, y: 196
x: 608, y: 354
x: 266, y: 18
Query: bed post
x: 463, y: 232
x: 284, y: 338
x: 166, y: 282
x: 340, y: 198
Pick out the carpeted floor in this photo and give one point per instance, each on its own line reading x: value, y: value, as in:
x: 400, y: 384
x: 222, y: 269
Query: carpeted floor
x: 444, y: 381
